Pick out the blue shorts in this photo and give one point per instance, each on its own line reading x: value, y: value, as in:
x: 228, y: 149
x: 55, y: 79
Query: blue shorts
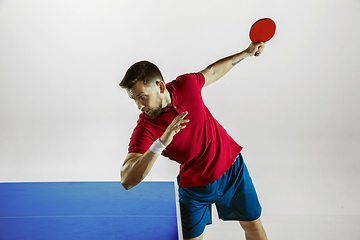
x: 233, y: 194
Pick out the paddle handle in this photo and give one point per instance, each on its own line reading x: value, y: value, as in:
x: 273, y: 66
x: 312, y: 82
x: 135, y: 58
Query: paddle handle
x: 257, y: 54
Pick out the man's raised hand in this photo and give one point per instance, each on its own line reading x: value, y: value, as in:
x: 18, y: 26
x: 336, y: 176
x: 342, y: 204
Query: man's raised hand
x: 254, y: 48
x: 175, y: 126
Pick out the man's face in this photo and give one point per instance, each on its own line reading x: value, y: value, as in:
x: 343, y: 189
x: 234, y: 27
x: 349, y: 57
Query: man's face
x: 147, y: 98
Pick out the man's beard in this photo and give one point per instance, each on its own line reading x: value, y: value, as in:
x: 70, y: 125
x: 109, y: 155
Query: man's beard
x: 155, y: 112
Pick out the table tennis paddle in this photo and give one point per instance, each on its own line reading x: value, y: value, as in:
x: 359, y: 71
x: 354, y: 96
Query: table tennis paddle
x: 262, y: 31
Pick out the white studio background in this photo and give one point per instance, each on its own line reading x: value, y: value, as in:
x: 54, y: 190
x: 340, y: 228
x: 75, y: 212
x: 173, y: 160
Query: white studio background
x: 294, y: 109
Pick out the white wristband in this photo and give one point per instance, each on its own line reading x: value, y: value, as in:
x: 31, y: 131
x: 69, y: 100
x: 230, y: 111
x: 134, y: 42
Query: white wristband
x: 157, y: 147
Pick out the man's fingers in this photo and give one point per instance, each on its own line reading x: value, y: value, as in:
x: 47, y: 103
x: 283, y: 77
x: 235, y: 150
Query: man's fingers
x: 261, y: 47
x: 176, y: 126
x: 182, y: 115
x: 180, y: 118
x: 181, y: 122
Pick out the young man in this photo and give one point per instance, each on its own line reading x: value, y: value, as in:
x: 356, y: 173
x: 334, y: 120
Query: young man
x: 175, y: 123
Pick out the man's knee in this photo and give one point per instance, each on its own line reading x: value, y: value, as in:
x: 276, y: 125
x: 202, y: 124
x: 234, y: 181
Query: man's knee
x: 252, y: 226
x: 254, y: 229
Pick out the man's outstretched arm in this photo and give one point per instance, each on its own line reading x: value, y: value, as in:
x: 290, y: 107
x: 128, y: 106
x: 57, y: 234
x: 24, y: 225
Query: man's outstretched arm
x: 219, y: 68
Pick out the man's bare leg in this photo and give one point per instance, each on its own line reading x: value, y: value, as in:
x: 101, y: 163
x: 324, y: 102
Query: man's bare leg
x: 254, y: 230
x: 197, y: 238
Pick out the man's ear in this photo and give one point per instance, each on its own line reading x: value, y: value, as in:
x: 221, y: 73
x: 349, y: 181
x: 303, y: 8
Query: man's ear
x: 161, y: 86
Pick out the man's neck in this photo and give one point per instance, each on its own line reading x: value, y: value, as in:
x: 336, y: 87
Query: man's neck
x: 167, y: 99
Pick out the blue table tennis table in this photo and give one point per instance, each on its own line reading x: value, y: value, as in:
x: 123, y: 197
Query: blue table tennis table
x: 88, y: 210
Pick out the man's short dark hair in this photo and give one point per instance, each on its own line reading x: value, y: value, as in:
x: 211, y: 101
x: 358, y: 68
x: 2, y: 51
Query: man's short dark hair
x: 144, y: 71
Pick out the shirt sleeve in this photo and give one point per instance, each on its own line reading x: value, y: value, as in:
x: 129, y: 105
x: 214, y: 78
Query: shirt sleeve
x: 197, y: 78
x: 141, y: 139
x: 201, y: 79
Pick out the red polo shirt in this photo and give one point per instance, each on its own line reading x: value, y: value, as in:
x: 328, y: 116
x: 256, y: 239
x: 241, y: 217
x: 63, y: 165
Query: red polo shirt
x: 204, y: 148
